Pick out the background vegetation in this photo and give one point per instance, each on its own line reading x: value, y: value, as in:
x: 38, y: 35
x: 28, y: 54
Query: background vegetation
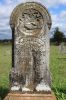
x: 58, y: 37
x: 57, y: 67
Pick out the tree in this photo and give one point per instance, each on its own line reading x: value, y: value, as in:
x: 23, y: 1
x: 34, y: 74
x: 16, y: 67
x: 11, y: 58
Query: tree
x: 58, y: 36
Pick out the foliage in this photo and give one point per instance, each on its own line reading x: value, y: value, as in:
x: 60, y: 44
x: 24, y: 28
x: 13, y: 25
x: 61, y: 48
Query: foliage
x: 58, y: 36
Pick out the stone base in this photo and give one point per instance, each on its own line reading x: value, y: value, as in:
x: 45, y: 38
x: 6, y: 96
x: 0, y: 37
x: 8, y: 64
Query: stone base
x: 19, y: 96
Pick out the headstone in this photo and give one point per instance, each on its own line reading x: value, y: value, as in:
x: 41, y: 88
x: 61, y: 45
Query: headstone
x: 62, y: 48
x: 30, y: 23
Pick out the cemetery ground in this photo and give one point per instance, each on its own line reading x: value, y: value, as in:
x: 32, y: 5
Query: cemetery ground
x: 57, y: 67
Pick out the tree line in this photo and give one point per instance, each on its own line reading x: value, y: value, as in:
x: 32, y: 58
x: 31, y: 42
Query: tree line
x: 6, y: 40
x: 58, y: 37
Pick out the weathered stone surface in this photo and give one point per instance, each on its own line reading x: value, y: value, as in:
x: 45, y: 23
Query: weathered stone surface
x: 30, y: 23
x: 62, y: 48
x: 17, y: 96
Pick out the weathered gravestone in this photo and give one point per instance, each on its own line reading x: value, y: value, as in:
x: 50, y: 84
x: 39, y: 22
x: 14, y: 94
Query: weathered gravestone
x: 30, y: 23
x: 62, y: 48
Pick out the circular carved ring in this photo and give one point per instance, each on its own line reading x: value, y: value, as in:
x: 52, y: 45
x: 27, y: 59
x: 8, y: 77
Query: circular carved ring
x: 31, y: 13
x: 30, y: 22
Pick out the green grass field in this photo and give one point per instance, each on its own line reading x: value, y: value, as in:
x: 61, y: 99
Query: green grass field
x: 57, y: 67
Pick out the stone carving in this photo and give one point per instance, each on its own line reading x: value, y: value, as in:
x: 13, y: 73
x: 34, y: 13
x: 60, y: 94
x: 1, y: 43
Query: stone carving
x: 30, y: 23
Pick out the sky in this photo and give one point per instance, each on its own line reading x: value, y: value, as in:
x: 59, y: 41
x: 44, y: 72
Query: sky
x: 56, y: 8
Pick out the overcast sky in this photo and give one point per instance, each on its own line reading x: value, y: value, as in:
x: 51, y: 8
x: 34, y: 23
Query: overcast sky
x: 57, y: 9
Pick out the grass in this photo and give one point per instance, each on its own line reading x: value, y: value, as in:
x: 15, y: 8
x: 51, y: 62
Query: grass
x: 57, y: 67
x: 5, y: 66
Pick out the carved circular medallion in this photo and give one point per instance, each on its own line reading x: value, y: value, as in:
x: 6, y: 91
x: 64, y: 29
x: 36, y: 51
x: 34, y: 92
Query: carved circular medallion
x: 30, y: 17
x: 30, y: 22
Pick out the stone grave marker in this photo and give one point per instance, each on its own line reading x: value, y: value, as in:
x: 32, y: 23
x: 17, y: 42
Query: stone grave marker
x: 30, y: 23
x: 62, y: 48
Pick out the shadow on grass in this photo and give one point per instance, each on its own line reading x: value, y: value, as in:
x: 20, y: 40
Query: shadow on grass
x: 3, y: 92
x: 60, y: 93
x: 60, y: 90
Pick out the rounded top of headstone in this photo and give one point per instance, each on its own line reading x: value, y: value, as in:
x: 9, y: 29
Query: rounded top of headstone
x: 30, y: 5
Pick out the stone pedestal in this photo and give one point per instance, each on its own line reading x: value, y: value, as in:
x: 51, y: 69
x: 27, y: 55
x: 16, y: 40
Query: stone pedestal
x: 19, y: 96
